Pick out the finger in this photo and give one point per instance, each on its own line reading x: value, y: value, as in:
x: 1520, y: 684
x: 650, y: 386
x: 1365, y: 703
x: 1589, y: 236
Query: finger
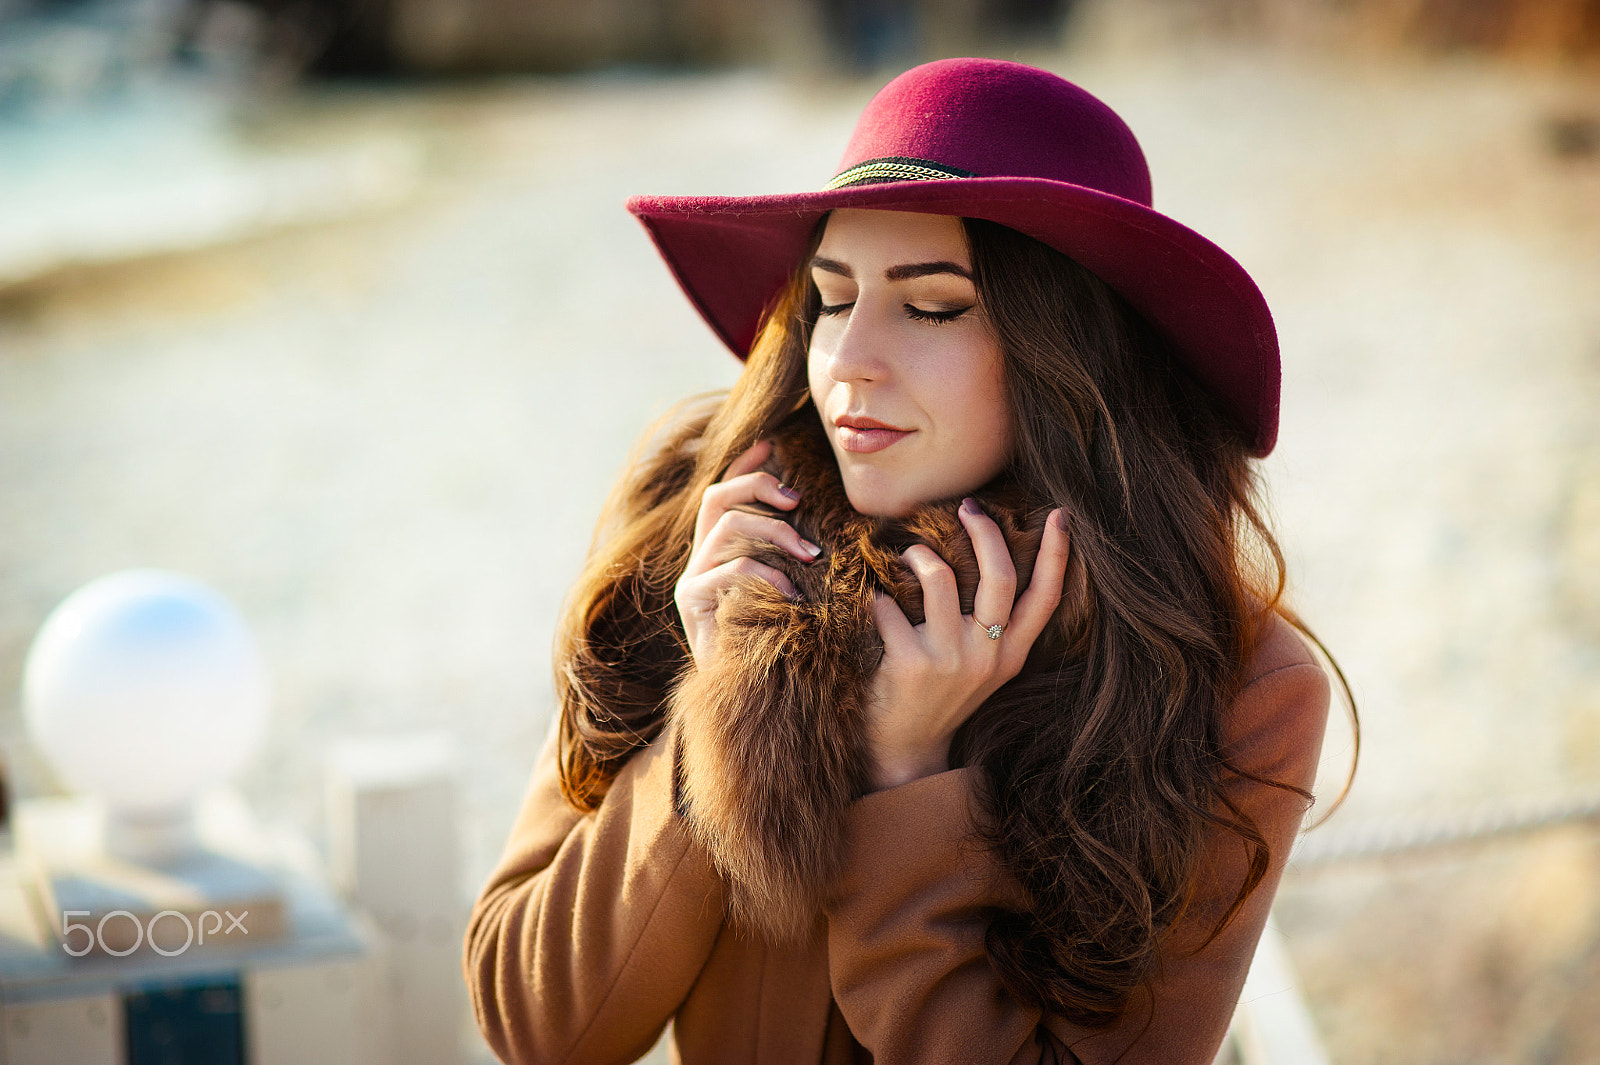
x: 707, y: 586
x: 750, y: 460
x: 997, y: 574
x: 941, y: 603
x: 698, y: 597
x: 894, y: 628
x: 746, y: 488
x: 1043, y: 594
x: 734, y: 531
x: 755, y: 487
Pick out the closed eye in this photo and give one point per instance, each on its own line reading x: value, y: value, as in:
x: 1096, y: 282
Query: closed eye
x: 936, y: 317
x: 915, y: 313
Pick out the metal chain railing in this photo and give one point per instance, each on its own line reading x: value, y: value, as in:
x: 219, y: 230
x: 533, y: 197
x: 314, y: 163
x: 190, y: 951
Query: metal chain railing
x: 1400, y: 835
x: 1272, y: 1025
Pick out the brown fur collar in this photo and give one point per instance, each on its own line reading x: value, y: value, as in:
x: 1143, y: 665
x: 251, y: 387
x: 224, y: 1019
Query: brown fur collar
x: 772, y: 735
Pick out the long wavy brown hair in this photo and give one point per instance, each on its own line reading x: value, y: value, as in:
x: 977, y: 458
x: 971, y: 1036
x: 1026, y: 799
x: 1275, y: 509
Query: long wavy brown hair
x: 1103, y: 757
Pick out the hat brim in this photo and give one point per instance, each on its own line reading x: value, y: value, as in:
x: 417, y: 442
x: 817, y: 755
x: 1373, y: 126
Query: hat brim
x: 732, y: 255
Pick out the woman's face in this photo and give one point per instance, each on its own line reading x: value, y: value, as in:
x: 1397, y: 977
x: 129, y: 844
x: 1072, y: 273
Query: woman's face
x: 904, y: 367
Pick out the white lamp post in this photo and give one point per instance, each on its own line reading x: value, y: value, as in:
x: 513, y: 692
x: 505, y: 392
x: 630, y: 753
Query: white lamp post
x: 144, y: 688
x: 145, y: 691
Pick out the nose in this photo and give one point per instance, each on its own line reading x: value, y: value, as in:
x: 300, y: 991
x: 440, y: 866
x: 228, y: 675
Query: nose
x: 857, y: 349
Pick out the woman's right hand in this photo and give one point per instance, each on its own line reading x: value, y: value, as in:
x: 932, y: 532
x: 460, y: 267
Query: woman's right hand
x: 715, y: 559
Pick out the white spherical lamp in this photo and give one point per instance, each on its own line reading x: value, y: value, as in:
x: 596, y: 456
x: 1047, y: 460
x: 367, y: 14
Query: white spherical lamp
x: 145, y: 688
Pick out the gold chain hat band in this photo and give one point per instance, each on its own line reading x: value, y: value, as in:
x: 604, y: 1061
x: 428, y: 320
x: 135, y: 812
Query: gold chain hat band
x: 895, y: 168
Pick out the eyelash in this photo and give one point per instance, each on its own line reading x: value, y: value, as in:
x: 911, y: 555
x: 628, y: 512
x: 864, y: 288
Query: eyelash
x: 916, y: 315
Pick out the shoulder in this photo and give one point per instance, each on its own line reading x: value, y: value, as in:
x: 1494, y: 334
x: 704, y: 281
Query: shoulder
x: 1274, y: 726
x: 1280, y: 646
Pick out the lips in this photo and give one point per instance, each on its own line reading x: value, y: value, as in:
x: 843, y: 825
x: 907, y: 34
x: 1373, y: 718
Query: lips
x: 863, y: 436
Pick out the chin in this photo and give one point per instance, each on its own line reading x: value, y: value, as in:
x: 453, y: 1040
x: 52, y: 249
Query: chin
x: 878, y: 504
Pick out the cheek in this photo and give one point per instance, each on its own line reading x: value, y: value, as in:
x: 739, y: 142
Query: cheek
x: 1004, y: 423
x: 815, y: 379
x: 989, y: 415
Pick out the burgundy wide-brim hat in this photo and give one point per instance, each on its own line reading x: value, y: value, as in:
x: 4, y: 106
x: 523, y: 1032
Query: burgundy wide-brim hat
x: 984, y: 138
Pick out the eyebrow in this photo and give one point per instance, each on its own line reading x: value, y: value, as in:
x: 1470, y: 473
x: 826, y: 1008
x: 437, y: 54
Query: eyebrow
x: 904, y: 272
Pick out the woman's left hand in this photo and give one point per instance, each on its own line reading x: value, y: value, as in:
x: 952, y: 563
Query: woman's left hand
x: 934, y: 675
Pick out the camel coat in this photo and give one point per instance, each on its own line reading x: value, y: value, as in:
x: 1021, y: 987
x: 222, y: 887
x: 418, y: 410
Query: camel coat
x: 597, y: 929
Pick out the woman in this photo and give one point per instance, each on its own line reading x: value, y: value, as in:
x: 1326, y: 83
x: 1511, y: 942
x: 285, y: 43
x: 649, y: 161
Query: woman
x: 986, y: 739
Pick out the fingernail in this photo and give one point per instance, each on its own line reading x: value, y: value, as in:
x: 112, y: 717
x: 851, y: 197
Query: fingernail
x: 788, y: 493
x: 810, y: 548
x: 970, y: 505
x: 1058, y: 518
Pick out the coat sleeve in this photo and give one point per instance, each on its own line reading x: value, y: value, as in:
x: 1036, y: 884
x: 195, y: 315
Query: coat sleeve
x: 593, y: 927
x: 906, y: 927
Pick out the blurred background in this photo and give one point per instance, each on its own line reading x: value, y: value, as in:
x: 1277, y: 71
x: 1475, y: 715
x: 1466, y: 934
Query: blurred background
x: 334, y: 306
